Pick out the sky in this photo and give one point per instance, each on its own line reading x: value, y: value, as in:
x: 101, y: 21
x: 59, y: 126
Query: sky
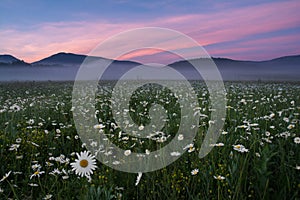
x: 245, y: 30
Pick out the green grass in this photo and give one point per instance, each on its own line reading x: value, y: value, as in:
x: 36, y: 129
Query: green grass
x: 39, y: 113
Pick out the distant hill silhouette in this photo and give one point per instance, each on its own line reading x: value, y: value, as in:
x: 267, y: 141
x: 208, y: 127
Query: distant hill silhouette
x: 9, y: 60
x: 61, y: 59
x: 64, y: 66
x: 283, y: 68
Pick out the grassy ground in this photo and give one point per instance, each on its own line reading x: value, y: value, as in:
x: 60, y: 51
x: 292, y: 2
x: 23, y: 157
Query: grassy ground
x: 37, y: 129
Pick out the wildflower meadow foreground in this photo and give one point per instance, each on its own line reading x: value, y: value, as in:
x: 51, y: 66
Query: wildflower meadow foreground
x: 256, y: 157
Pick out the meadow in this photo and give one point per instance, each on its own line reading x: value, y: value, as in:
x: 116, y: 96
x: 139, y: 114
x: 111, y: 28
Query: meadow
x: 256, y: 157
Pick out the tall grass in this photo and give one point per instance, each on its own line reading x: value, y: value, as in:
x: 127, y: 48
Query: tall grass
x: 263, y: 117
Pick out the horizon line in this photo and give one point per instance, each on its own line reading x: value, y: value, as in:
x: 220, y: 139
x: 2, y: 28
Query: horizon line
x: 212, y: 57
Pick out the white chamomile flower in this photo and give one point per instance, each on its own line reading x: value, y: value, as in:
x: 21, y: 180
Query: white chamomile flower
x: 297, y: 140
x: 190, y: 147
x: 33, y: 184
x: 5, y: 176
x: 37, y: 173
x: 180, y: 137
x: 175, y: 153
x: 127, y: 152
x: 138, y: 178
x: 217, y: 145
x: 141, y: 127
x: 195, y: 172
x: 47, y: 197
x: 14, y: 147
x: 291, y: 126
x: 219, y: 177
x: 240, y: 148
x: 84, y: 165
x: 18, y: 140
x: 147, y: 152
x: 99, y: 126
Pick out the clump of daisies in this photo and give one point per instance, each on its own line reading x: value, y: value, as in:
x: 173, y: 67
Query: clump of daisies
x: 84, y: 165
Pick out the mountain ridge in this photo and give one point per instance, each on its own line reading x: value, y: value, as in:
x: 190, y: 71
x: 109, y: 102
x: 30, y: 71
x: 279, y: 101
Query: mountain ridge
x: 64, y: 66
x: 63, y: 58
x: 11, y: 60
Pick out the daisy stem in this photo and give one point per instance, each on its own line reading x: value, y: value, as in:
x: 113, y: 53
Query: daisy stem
x: 41, y: 186
x: 219, y: 190
x: 13, y: 190
x: 54, y: 183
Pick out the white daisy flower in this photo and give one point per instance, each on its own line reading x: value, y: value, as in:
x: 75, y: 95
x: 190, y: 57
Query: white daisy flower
x: 15, y: 108
x: 99, y: 126
x: 55, y: 171
x: 36, y: 166
x: 141, y: 127
x: 217, y: 145
x: 37, y: 173
x: 138, y: 178
x: 219, y: 177
x: 33, y: 184
x: 190, y: 148
x: 116, y: 162
x: 180, y: 137
x: 286, y: 119
x: 240, y: 148
x: 18, y: 140
x: 220, y: 144
x: 297, y: 140
x: 14, y: 147
x: 47, y: 197
x: 84, y: 165
x: 147, y: 152
x: 195, y: 172
x: 5, y: 176
x: 127, y: 152
x: 175, y: 153
x: 291, y: 126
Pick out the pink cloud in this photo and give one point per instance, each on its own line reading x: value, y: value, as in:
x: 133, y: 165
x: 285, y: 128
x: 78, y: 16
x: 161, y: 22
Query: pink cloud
x: 138, y: 53
x: 257, y: 49
x: 49, y: 38
x: 236, y: 24
x: 228, y: 25
x: 146, y: 56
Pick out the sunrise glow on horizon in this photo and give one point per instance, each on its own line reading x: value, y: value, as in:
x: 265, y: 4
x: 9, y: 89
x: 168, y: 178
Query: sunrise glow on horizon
x: 248, y: 30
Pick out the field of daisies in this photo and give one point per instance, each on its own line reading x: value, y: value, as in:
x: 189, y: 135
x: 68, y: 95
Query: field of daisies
x: 256, y: 157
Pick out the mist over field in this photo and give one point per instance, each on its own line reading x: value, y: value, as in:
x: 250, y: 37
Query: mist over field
x: 64, y: 67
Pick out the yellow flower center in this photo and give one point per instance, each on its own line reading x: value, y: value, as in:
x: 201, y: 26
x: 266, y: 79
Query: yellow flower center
x: 238, y: 146
x: 36, y: 173
x: 84, y: 163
